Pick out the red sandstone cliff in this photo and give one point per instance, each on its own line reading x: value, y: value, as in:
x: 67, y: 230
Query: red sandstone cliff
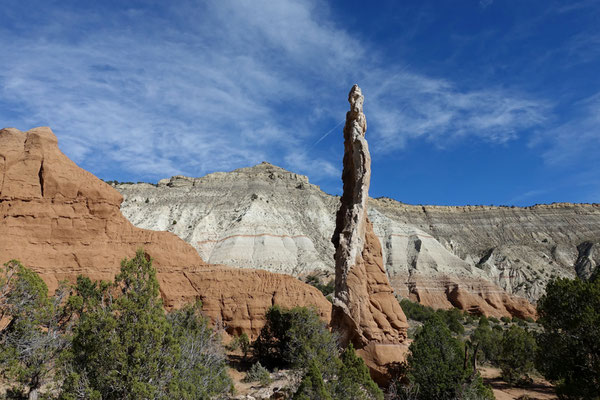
x: 61, y: 221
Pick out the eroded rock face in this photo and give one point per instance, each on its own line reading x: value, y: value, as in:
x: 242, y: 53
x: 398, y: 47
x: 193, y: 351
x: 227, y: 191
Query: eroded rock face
x: 62, y: 221
x: 260, y: 217
x: 365, y: 311
x: 266, y: 217
x: 239, y: 298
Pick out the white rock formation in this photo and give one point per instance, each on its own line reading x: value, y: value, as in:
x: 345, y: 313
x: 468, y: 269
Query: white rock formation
x: 266, y: 217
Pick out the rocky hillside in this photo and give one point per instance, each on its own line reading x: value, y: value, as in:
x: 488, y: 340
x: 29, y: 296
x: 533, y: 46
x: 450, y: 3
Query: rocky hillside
x: 62, y: 221
x: 267, y: 217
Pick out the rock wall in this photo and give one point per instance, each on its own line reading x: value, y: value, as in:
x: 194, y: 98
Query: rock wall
x: 266, y: 217
x: 260, y: 217
x: 62, y: 221
x: 365, y: 311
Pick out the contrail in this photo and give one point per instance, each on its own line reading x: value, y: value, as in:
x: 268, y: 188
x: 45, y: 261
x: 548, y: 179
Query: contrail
x: 328, y: 132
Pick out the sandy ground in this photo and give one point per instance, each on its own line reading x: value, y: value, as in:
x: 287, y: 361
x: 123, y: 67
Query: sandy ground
x: 539, y: 390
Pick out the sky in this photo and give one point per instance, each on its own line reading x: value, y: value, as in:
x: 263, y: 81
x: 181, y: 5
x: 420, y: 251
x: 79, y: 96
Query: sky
x: 467, y: 101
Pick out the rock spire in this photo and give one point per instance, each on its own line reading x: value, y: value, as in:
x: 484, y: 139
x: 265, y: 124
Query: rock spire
x: 365, y: 311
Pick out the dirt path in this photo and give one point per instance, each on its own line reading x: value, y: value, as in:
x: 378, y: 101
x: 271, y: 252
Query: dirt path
x: 539, y: 390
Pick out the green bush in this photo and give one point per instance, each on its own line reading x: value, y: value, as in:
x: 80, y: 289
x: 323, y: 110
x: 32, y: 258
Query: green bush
x: 258, y: 373
x: 569, y: 354
x: 516, y: 356
x: 294, y: 337
x: 125, y: 346
x: 242, y: 343
x: 35, y: 337
x: 326, y: 289
x: 436, y: 365
x: 488, y: 341
x: 417, y: 312
x: 351, y: 381
x: 453, y: 319
x: 312, y: 386
x: 354, y: 380
x: 201, y: 368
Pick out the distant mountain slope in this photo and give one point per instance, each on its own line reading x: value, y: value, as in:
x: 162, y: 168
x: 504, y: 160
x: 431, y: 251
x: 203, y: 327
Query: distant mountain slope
x: 471, y: 257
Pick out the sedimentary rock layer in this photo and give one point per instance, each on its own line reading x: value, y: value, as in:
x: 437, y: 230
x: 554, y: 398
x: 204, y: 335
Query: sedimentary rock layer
x: 62, y: 221
x: 267, y: 217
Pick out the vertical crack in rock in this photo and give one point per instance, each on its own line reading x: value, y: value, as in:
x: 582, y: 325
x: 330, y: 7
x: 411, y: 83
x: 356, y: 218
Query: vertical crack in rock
x: 365, y: 311
x: 41, y: 178
x: 2, y: 173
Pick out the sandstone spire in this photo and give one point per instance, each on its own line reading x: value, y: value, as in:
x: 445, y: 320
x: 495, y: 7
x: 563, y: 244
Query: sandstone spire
x: 365, y: 311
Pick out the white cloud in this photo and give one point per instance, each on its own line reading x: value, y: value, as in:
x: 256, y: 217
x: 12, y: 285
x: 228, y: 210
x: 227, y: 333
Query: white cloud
x: 574, y: 143
x: 413, y: 106
x: 225, y: 85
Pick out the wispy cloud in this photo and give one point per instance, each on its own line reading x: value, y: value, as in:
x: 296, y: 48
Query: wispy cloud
x: 485, y: 3
x: 190, y: 89
x: 526, y: 197
x: 413, y: 106
x: 574, y: 143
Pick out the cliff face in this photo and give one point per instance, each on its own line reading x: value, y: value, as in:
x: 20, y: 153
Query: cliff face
x: 62, y: 221
x: 516, y: 249
x: 259, y: 217
x: 266, y: 217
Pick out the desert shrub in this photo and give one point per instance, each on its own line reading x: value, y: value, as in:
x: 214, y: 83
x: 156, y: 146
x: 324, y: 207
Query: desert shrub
x: 416, y: 311
x: 494, y: 320
x: 399, y: 390
x: 294, y: 337
x: 125, y: 346
x: 354, y: 380
x: 484, y: 321
x: 242, y: 343
x: 312, y: 386
x: 351, y: 381
x: 475, y: 389
x: 326, y: 289
x: 487, y: 340
x: 201, y: 367
x: 506, y: 320
x: 436, y: 365
x: 516, y: 358
x: 35, y: 336
x: 569, y: 354
x: 258, y: 373
x: 452, y: 318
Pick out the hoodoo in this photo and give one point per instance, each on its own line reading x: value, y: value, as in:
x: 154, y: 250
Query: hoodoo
x: 365, y: 311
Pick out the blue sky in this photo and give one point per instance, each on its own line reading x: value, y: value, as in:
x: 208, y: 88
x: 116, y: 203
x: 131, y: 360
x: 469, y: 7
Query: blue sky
x: 467, y: 102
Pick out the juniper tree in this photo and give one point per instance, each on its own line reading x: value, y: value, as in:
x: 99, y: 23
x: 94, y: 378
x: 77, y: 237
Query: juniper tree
x: 569, y: 346
x: 36, y: 331
x: 125, y: 346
